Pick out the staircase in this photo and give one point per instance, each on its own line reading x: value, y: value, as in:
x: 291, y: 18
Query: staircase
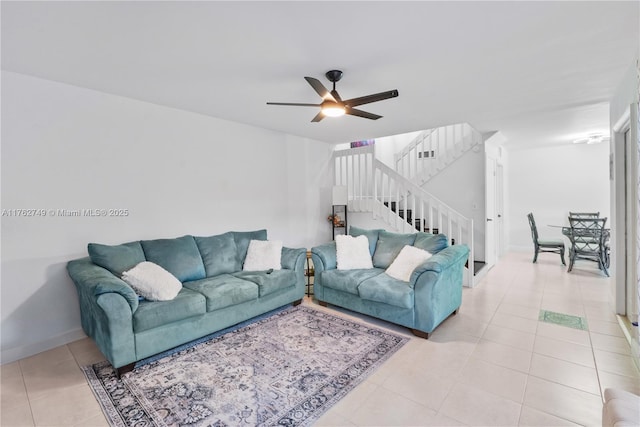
x: 433, y: 150
x: 404, y: 205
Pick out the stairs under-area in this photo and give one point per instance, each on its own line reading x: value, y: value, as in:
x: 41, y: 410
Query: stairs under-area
x: 420, y: 225
x: 399, y: 196
x: 404, y: 205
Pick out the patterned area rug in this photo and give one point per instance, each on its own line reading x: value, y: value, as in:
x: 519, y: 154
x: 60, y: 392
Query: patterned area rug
x: 285, y: 369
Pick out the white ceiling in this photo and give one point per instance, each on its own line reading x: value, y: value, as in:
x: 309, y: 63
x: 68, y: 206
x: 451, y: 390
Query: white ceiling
x: 539, y: 72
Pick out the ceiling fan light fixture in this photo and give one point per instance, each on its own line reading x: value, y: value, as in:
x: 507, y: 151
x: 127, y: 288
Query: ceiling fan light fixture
x: 332, y: 109
x: 592, y: 138
x: 333, y: 105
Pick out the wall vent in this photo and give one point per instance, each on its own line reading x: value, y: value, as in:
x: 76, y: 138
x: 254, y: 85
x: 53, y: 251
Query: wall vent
x: 426, y: 154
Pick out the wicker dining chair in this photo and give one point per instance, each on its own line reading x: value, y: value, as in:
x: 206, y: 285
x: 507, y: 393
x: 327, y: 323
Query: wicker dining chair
x: 584, y: 214
x: 544, y: 245
x: 588, y: 242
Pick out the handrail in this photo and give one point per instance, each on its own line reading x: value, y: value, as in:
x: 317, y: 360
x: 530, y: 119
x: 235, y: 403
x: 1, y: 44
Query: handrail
x: 434, y: 149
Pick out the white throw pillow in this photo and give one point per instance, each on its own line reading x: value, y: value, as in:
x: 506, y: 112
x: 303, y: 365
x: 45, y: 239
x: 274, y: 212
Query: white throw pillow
x: 263, y: 255
x: 353, y: 252
x: 407, y: 260
x: 152, y: 282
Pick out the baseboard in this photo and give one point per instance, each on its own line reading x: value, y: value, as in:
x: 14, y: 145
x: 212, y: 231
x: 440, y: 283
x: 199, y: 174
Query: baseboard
x: 630, y: 333
x: 16, y: 353
x: 480, y: 275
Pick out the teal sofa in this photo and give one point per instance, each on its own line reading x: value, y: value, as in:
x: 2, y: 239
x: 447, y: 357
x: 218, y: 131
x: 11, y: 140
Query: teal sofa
x: 216, y: 293
x: 433, y: 293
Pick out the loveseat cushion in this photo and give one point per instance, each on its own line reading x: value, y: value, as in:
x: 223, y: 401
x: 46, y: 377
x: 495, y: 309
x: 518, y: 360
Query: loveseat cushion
x: 389, y: 246
x: 371, y: 235
x: 219, y: 253
x: 384, y: 288
x: 116, y: 258
x: 151, y: 314
x: 269, y: 283
x: 224, y: 290
x: 179, y: 256
x: 242, y: 239
x: 348, y: 280
x: 432, y: 243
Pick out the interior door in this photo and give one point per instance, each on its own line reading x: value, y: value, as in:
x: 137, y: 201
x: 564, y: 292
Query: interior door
x: 490, y: 212
x: 499, y: 222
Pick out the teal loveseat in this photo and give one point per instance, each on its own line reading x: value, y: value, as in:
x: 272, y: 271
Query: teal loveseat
x: 433, y: 293
x: 215, y: 292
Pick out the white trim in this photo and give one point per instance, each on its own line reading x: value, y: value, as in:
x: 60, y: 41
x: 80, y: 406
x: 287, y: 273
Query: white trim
x: 624, y: 122
x: 16, y: 353
x: 620, y: 255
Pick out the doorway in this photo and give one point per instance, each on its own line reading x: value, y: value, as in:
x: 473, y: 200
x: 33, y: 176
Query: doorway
x: 494, y: 207
x: 630, y: 199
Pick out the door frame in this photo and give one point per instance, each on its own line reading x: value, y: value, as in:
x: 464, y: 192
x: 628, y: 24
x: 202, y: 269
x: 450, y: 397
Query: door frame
x: 490, y: 243
x: 625, y: 182
x: 499, y: 225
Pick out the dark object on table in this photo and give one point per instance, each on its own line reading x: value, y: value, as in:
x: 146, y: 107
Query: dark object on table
x: 544, y: 245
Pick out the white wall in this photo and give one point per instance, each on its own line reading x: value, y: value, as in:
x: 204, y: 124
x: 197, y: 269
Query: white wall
x: 624, y: 108
x: 176, y: 173
x: 388, y: 146
x: 461, y: 186
x: 551, y: 182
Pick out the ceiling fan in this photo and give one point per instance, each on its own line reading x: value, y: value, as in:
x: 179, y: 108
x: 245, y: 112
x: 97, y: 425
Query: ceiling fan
x: 333, y: 106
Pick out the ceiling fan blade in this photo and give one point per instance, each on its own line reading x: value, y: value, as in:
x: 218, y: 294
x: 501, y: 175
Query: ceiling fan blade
x: 318, y: 117
x: 360, y: 113
x: 320, y: 89
x: 354, y: 102
x: 335, y: 95
x: 294, y: 104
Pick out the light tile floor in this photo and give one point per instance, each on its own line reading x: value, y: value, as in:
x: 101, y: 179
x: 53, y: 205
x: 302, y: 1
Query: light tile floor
x: 492, y: 364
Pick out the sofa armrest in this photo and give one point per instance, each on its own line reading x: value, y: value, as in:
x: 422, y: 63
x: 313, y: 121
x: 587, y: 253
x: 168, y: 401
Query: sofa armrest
x: 93, y: 280
x: 107, y: 305
x: 442, y: 260
x: 438, y: 287
x: 324, y: 257
x: 293, y: 259
x: 113, y: 329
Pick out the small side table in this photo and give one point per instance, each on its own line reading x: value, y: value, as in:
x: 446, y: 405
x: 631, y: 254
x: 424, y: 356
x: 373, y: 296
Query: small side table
x: 309, y: 272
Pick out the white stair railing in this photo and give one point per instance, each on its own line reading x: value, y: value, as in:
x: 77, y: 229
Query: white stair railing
x: 434, y: 149
x: 374, y: 187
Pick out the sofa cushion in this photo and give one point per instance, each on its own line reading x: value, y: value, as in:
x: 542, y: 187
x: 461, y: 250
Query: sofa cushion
x: 179, y: 256
x: 407, y: 260
x: 151, y: 314
x: 116, y: 258
x: 352, y: 253
x: 348, y: 280
x: 219, y: 253
x: 224, y: 290
x: 621, y: 408
x: 432, y: 243
x: 269, y: 283
x: 242, y: 239
x: 385, y: 289
x: 389, y: 246
x: 371, y: 235
x: 263, y: 255
x: 152, y: 282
